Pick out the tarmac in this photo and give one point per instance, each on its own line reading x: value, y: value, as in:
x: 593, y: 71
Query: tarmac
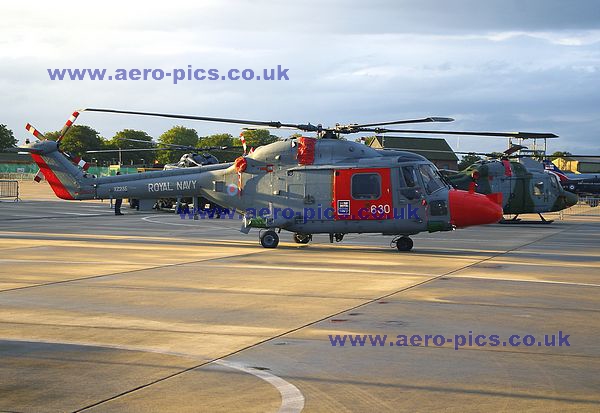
x: 151, y: 313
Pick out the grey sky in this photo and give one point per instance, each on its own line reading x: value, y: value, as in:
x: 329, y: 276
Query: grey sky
x: 492, y: 65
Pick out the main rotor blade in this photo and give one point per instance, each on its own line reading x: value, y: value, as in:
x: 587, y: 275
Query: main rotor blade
x: 129, y: 150
x: 441, y: 151
x: 159, y: 144
x: 520, y: 135
x: 272, y: 124
x: 185, y: 148
x: 138, y: 140
x: 398, y: 122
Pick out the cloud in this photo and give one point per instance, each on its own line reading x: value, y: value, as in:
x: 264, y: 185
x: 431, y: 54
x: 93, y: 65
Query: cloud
x: 494, y: 65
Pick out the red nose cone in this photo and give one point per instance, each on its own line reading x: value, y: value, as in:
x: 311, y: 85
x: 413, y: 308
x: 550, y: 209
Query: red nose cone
x: 471, y: 208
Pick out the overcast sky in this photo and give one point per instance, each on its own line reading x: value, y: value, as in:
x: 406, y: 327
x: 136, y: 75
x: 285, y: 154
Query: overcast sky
x: 492, y: 65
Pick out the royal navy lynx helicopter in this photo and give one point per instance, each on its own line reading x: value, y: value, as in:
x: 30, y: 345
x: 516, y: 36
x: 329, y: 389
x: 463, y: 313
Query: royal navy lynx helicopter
x: 306, y: 185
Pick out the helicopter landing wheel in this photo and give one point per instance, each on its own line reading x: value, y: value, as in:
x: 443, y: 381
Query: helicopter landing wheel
x: 302, y: 238
x: 404, y: 244
x: 269, y: 239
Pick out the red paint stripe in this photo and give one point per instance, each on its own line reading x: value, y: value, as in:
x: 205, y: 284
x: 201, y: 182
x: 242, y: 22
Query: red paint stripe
x: 32, y: 130
x: 57, y: 186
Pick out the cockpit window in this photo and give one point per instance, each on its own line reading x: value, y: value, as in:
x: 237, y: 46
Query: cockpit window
x: 410, y: 176
x: 431, y: 179
x: 366, y: 186
x: 410, y: 188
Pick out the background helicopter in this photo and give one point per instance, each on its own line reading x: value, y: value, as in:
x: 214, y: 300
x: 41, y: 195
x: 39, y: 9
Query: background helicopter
x: 526, y: 185
x: 325, y: 185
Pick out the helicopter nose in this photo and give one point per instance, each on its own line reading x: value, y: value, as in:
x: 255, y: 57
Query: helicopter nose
x: 571, y: 199
x: 470, y: 208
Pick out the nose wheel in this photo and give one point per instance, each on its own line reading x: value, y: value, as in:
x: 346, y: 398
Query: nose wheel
x: 269, y: 239
x: 403, y: 243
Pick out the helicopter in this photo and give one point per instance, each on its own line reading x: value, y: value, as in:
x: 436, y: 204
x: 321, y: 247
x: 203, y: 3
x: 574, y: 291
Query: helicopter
x: 527, y: 186
x: 305, y: 185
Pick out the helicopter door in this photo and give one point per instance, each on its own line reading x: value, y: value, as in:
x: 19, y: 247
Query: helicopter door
x: 364, y: 193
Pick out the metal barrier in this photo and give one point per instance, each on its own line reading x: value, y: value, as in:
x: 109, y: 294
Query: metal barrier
x: 587, y: 206
x: 9, y: 189
x: 16, y: 176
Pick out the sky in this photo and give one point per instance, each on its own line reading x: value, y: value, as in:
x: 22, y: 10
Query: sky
x: 527, y: 65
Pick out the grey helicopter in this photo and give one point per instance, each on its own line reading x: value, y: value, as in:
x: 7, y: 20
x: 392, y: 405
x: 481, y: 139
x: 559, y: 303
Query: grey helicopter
x: 305, y: 185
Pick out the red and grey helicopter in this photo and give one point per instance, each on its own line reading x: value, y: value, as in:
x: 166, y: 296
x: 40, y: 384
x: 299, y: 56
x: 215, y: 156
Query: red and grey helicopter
x: 306, y: 185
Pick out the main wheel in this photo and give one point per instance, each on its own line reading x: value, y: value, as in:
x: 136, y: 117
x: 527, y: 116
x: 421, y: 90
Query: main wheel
x: 269, y: 239
x: 404, y: 244
x: 302, y: 238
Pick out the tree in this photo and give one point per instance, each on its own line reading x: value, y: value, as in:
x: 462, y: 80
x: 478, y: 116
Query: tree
x: 78, y: 140
x: 257, y: 137
x: 468, y: 160
x: 560, y: 154
x: 177, y: 135
x: 7, y: 139
x: 121, y: 140
x: 219, y: 139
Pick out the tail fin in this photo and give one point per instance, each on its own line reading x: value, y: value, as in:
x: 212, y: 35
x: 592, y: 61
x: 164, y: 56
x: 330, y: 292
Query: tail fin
x: 66, y: 180
x: 550, y: 167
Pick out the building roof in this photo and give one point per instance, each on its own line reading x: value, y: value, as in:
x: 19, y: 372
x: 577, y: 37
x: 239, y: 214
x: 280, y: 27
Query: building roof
x: 434, y: 149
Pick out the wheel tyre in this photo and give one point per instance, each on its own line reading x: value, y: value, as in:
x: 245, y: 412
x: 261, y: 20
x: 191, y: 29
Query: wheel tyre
x: 404, y: 244
x: 302, y: 238
x: 269, y: 239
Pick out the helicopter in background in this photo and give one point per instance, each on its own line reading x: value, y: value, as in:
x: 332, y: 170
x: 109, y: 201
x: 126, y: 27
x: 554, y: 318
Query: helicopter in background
x: 305, y: 185
x: 527, y: 185
x: 585, y: 185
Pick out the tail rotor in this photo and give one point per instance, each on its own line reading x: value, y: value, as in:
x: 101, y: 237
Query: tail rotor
x: 74, y: 159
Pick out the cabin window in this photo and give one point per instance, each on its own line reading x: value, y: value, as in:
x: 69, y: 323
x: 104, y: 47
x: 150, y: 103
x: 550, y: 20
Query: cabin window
x: 538, y: 189
x: 366, y: 186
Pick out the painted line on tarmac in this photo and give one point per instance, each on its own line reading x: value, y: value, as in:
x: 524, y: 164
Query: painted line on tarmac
x: 292, y: 400
x: 81, y: 214
x: 526, y: 281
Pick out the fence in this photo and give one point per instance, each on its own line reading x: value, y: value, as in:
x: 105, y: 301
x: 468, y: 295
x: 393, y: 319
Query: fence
x: 587, y: 206
x: 9, y: 189
x: 16, y: 174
